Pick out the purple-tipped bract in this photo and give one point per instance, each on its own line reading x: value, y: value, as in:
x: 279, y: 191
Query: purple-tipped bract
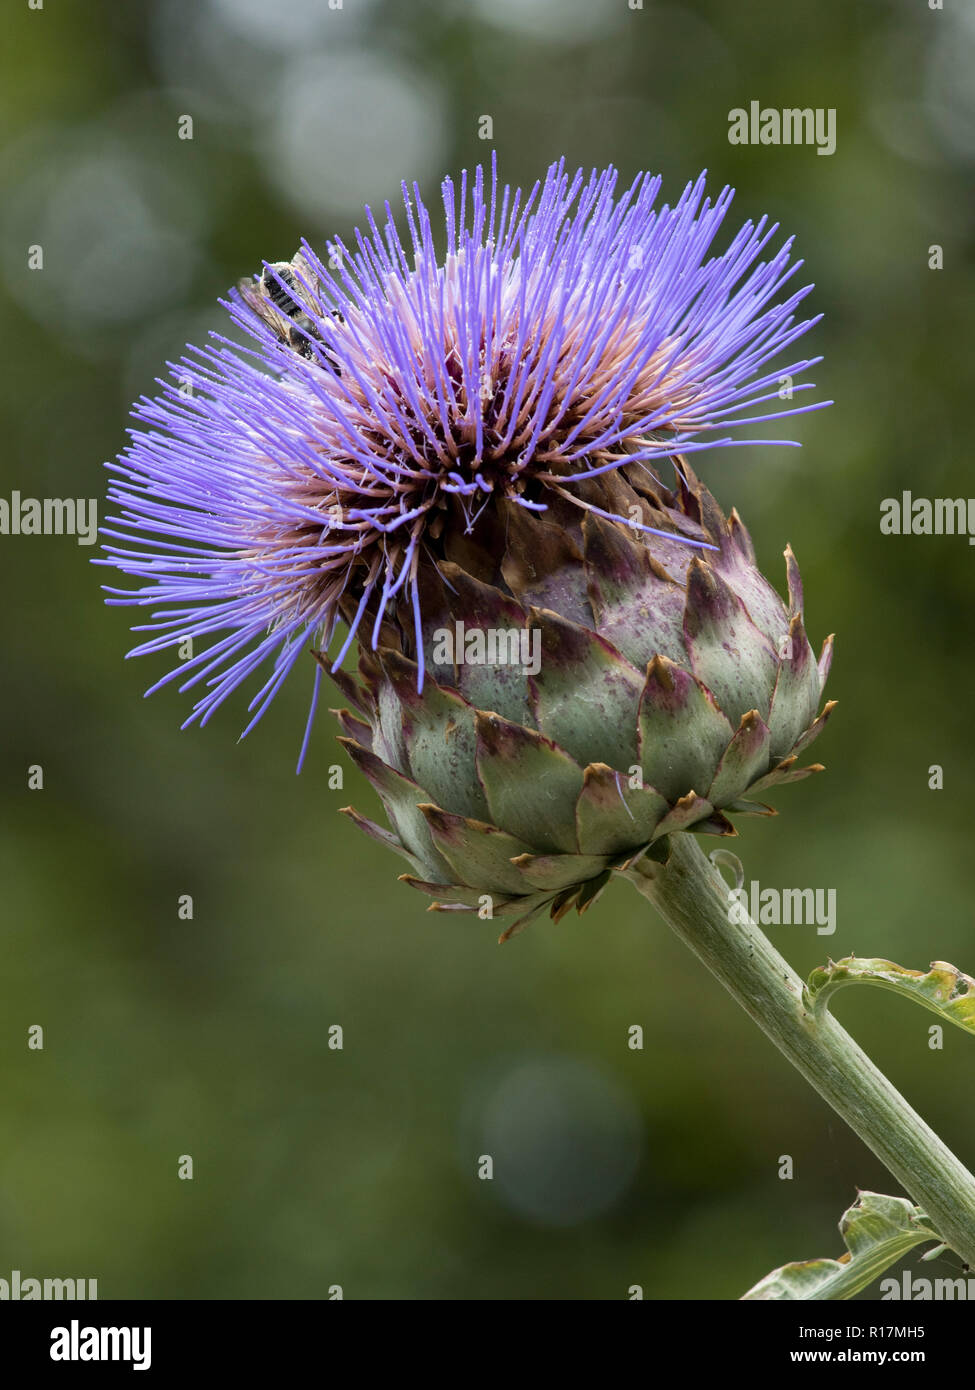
x: 562, y: 334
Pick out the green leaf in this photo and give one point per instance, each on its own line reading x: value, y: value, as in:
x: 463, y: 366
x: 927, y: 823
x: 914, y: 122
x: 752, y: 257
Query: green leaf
x: 531, y: 784
x: 683, y: 734
x: 613, y: 817
x: 480, y: 855
x: 553, y: 872
x: 728, y: 653
x: 585, y: 695
x: 400, y: 797
x: 943, y: 989
x: 437, y: 728
x: 744, y: 760
x: 877, y: 1231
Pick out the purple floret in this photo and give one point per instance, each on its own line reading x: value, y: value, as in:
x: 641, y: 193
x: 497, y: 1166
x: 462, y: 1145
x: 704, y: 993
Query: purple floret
x: 563, y: 334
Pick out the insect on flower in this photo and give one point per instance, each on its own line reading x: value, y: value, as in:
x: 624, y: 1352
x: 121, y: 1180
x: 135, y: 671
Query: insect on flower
x: 276, y: 300
x: 390, y: 403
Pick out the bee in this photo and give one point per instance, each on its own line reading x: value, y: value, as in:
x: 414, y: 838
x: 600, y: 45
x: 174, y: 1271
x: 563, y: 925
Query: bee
x: 278, y: 303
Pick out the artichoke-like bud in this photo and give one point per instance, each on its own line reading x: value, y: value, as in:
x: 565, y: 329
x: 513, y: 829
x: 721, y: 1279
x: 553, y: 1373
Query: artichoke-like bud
x: 425, y: 450
x: 665, y: 686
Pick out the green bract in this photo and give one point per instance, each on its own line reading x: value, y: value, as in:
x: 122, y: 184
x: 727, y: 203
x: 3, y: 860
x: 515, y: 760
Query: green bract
x: 672, y: 685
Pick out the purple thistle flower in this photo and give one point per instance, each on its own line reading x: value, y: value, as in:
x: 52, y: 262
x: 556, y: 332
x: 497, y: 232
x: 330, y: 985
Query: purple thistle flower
x: 565, y: 334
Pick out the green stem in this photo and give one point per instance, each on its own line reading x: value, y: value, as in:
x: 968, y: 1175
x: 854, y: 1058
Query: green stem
x: 693, y: 899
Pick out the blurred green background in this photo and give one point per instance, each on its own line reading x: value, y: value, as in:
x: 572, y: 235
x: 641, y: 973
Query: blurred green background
x: 210, y: 1037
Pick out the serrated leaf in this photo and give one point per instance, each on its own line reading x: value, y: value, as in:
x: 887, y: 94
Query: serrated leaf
x: 877, y: 1231
x: 943, y: 989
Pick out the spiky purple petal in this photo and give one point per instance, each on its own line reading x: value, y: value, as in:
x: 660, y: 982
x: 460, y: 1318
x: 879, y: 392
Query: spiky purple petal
x: 563, y: 334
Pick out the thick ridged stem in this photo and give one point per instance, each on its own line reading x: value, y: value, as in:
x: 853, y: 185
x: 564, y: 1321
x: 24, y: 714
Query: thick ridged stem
x: 693, y: 899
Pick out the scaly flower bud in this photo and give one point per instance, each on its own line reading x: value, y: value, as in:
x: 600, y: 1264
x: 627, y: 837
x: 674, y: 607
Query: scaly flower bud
x: 670, y: 686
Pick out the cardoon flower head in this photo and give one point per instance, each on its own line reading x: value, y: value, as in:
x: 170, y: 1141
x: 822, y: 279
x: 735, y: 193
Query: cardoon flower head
x: 392, y: 398
x: 436, y: 451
